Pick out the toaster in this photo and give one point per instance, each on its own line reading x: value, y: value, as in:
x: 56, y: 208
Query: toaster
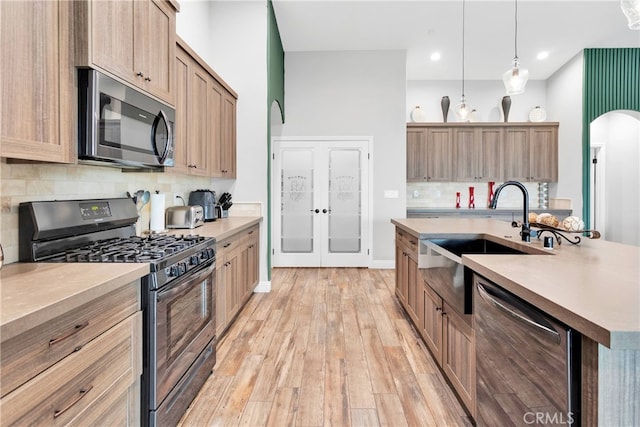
x: 206, y: 199
x: 184, y: 216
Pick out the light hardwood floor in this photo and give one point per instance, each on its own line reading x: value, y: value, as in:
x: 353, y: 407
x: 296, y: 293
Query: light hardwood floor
x: 327, y: 347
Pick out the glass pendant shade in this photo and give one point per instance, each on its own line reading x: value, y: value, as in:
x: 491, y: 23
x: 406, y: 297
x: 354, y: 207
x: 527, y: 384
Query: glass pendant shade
x: 515, y: 78
x: 462, y: 110
x: 631, y: 9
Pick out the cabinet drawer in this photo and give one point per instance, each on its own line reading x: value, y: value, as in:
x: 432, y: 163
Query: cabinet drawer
x: 26, y: 355
x: 61, y: 393
x: 406, y: 239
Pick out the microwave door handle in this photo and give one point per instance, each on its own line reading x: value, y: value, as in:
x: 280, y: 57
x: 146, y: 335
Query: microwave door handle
x: 169, y: 147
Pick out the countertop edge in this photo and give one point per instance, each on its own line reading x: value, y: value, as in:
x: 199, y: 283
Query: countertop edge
x: 20, y: 324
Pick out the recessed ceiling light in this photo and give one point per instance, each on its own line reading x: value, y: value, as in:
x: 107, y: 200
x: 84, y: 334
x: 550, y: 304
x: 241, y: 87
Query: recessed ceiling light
x: 543, y: 55
x: 435, y: 56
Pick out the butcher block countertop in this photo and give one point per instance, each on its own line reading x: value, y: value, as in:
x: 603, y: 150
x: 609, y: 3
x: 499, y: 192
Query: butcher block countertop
x: 34, y: 293
x: 594, y: 287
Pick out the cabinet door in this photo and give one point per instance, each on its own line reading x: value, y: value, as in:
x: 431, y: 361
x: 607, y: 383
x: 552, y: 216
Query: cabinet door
x: 114, y: 33
x: 401, y: 273
x: 459, y: 355
x: 439, y: 154
x: 158, y: 48
x: 215, y: 128
x: 416, y: 140
x: 490, y: 152
x: 465, y: 142
x: 231, y: 274
x: 198, y: 122
x: 228, y: 143
x: 33, y: 74
x: 517, y: 154
x: 253, y: 262
x: 413, y: 285
x: 544, y: 154
x: 431, y: 328
x: 181, y: 127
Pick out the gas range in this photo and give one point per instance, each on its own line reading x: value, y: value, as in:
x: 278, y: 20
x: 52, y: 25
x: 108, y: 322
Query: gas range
x: 103, y: 230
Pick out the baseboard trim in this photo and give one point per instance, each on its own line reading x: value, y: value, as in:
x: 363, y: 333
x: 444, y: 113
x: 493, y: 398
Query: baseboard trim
x: 383, y: 264
x: 263, y: 287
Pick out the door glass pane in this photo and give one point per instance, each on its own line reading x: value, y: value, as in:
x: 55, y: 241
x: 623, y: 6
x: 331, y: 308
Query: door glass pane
x: 345, y: 200
x: 296, y: 210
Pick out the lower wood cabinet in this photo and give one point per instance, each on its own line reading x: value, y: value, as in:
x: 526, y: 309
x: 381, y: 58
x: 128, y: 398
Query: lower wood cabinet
x: 448, y: 335
x: 85, y: 370
x: 237, y: 274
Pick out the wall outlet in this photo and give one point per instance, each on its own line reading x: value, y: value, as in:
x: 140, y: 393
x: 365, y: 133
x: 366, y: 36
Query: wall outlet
x: 416, y: 194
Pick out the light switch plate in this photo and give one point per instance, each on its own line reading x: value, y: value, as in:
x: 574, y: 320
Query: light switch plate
x: 390, y: 194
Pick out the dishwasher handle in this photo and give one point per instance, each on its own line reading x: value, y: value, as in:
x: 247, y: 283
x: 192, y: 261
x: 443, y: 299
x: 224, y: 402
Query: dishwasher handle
x: 494, y: 300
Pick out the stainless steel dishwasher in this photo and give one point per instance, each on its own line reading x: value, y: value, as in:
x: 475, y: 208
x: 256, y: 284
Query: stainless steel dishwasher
x: 527, y: 363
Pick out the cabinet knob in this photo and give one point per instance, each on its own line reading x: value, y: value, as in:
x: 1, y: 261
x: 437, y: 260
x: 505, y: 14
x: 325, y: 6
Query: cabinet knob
x: 139, y: 74
x: 147, y: 78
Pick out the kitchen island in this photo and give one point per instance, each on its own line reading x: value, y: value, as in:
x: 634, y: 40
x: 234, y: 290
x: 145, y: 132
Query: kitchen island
x: 593, y: 287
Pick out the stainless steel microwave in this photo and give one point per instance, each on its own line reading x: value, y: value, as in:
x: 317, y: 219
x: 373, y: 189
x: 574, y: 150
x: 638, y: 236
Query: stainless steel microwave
x: 121, y: 126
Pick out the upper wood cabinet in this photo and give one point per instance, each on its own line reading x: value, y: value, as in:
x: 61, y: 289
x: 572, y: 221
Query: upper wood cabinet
x: 37, y: 113
x: 205, y: 128
x: 472, y: 152
x: 531, y: 153
x: 429, y: 154
x: 133, y: 40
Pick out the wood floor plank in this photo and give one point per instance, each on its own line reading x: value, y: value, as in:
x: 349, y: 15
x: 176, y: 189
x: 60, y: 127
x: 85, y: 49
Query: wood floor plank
x: 285, y: 408
x: 326, y: 347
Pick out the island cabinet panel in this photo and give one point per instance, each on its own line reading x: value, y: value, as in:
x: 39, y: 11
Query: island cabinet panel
x: 431, y: 327
x: 472, y: 152
x: 37, y: 106
x: 407, y: 272
x: 459, y: 355
x: 130, y: 40
x: 237, y: 274
x: 83, y: 367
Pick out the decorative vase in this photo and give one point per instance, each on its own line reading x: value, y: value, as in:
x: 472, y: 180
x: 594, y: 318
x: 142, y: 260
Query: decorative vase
x: 472, y: 200
x: 444, y: 103
x: 506, y: 106
x: 491, y: 193
x: 543, y: 195
x: 458, y: 200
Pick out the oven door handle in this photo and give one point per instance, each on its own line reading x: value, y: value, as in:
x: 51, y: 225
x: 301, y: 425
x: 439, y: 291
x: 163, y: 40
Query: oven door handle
x: 172, y: 290
x: 543, y: 329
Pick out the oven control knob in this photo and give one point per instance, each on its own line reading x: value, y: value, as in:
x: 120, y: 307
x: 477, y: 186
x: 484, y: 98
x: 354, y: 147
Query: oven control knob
x: 182, y: 268
x: 194, y: 260
x: 173, y: 271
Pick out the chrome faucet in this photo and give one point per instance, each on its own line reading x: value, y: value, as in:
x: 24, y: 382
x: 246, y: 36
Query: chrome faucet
x: 526, y: 229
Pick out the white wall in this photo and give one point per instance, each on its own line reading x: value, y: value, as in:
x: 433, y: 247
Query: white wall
x: 620, y: 134
x: 232, y: 38
x: 356, y: 94
x: 564, y: 102
x: 484, y: 96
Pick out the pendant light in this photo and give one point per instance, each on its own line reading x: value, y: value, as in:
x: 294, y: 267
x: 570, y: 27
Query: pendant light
x: 631, y: 9
x: 515, y: 78
x: 462, y: 110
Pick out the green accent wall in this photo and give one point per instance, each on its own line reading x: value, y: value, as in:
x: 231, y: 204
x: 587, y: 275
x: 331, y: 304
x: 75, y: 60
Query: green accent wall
x: 275, y: 93
x: 611, y: 82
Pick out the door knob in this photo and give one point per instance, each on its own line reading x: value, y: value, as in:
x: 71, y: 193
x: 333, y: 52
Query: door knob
x: 316, y: 210
x: 325, y: 210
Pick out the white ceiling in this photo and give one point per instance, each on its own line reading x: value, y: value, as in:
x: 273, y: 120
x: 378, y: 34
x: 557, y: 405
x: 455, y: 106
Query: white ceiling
x: 563, y: 28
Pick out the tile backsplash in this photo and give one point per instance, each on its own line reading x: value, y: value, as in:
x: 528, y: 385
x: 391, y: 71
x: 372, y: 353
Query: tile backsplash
x: 443, y: 195
x: 22, y: 182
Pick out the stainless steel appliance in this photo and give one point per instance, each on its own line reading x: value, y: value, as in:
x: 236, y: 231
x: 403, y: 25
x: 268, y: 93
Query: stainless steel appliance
x: 527, y: 363
x: 178, y: 296
x: 206, y: 199
x: 121, y: 126
x: 184, y: 216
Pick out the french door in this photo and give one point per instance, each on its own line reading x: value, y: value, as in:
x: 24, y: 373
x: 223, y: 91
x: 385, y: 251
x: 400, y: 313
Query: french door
x: 321, y: 202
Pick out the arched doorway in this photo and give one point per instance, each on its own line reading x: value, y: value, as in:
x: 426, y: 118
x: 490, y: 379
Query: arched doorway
x: 615, y: 176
